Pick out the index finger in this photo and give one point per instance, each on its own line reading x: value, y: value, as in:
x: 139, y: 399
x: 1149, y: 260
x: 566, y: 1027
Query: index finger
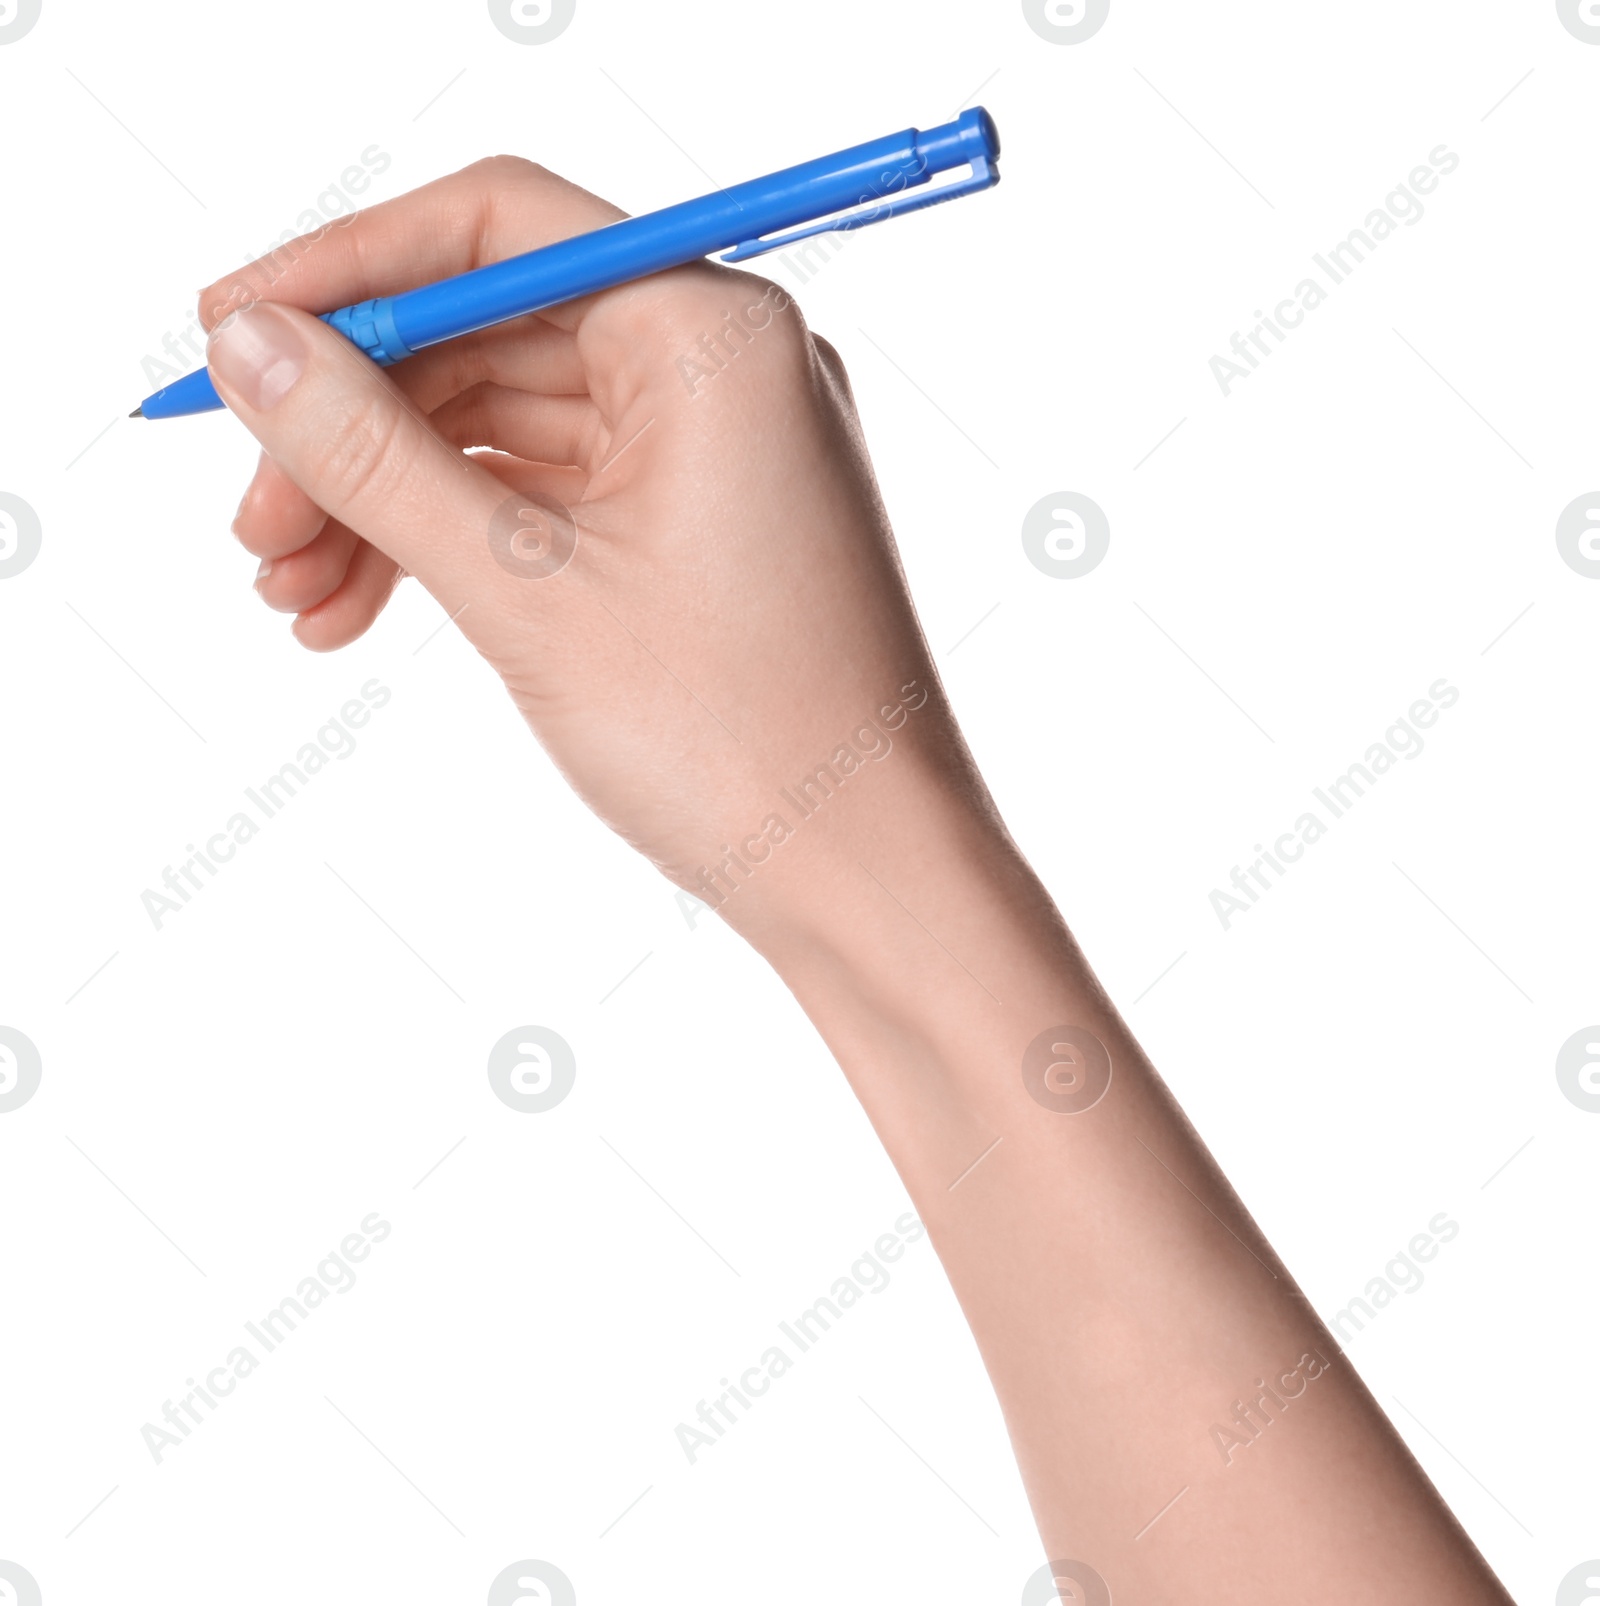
x: 496, y: 208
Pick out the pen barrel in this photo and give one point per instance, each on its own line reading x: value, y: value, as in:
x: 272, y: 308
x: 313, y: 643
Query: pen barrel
x: 635, y: 247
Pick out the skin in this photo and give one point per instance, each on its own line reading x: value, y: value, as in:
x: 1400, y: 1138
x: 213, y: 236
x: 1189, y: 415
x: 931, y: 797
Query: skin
x: 733, y: 608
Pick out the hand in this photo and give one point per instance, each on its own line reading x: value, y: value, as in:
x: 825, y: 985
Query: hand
x: 716, y: 608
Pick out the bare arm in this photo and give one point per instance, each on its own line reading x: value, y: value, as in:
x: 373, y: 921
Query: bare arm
x: 1185, y: 1424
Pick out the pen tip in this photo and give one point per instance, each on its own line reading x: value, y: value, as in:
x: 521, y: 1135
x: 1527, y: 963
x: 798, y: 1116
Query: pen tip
x: 138, y: 412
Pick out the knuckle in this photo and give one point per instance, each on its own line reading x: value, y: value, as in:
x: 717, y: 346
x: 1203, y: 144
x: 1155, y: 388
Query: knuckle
x: 832, y: 362
x: 362, y: 456
x: 228, y: 295
x: 506, y: 166
x: 725, y: 308
x: 469, y: 423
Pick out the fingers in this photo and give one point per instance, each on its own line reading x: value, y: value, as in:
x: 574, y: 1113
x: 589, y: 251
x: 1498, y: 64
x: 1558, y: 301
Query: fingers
x: 348, y: 611
x: 337, y: 584
x: 542, y: 429
x: 304, y: 578
x: 494, y: 209
x: 275, y: 516
x: 336, y: 425
x: 527, y: 354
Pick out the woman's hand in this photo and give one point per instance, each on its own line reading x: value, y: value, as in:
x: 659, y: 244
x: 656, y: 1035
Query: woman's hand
x: 673, y: 552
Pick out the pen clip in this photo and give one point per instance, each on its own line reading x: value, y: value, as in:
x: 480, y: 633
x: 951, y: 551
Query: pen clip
x: 982, y: 177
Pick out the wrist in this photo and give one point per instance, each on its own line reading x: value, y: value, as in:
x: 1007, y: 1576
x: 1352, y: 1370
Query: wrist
x: 929, y: 957
x: 882, y: 890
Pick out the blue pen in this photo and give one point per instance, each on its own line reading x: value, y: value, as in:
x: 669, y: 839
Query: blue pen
x: 847, y: 190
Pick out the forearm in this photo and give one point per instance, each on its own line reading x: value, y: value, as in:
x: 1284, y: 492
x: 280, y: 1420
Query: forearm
x: 1125, y: 1304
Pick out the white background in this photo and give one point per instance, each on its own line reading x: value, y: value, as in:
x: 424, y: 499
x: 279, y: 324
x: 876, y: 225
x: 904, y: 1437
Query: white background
x: 1290, y: 568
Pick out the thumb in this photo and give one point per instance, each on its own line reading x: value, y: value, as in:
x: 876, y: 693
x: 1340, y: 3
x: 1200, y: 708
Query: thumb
x: 360, y: 448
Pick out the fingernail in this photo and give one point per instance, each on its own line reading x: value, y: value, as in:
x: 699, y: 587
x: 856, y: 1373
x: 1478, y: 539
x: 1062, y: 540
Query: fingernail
x: 258, y: 353
x: 263, y: 571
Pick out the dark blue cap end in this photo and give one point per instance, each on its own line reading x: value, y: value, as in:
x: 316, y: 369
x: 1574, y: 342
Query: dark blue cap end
x: 977, y: 127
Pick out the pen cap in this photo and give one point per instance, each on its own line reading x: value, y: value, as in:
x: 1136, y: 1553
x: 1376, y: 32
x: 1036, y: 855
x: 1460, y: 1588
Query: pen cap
x: 972, y: 137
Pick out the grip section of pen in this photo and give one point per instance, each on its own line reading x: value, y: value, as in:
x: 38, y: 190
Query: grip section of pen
x: 370, y: 325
